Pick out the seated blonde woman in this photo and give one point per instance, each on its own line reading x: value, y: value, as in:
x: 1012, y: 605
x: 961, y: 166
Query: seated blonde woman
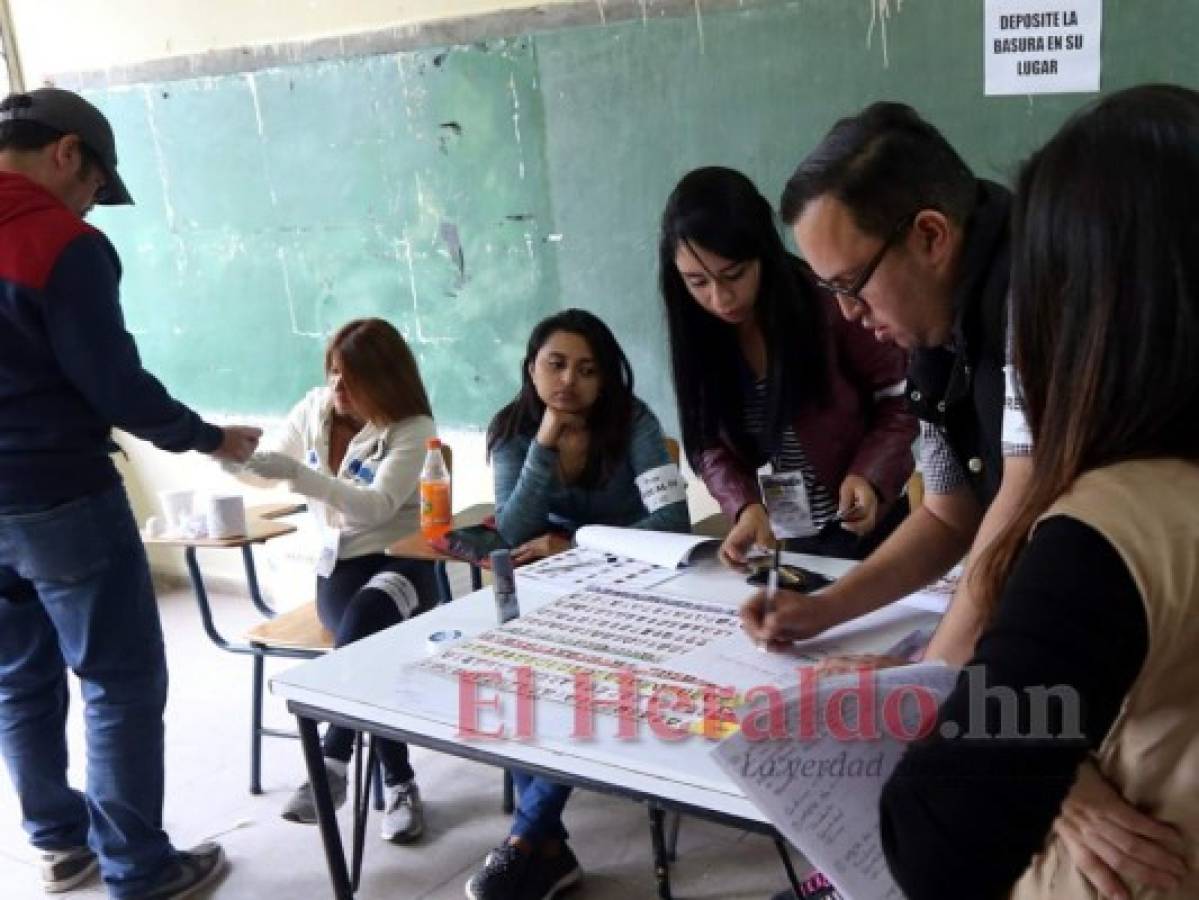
x: 355, y: 448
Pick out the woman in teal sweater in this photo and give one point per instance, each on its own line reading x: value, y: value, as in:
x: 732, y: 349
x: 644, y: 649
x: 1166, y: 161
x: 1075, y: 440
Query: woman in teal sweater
x: 574, y: 448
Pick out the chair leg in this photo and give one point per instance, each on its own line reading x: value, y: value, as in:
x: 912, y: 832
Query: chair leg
x: 661, y: 867
x: 256, y: 727
x: 443, y: 582
x: 509, y: 794
x: 377, y: 778
x: 673, y: 821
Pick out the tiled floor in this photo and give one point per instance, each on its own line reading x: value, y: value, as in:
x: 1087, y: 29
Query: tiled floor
x: 207, y: 770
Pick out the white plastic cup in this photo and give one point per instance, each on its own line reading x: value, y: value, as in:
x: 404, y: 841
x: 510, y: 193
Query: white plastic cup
x: 226, y: 516
x: 177, y: 507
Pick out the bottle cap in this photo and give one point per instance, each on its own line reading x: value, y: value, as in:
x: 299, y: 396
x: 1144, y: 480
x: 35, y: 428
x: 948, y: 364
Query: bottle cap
x: 433, y: 443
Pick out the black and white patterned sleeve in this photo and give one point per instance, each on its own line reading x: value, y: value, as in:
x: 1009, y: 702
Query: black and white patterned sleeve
x: 940, y: 469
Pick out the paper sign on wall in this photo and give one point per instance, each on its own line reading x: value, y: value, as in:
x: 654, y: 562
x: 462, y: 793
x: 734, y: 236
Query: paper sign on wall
x: 1042, y: 47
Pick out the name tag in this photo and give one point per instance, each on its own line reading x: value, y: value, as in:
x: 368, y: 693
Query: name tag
x: 787, y: 504
x: 1017, y: 436
x: 326, y: 560
x: 661, y: 487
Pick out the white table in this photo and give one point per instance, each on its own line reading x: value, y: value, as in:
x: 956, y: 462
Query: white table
x: 359, y: 687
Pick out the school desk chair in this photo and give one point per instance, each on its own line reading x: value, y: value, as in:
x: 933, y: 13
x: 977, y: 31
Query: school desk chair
x: 299, y: 634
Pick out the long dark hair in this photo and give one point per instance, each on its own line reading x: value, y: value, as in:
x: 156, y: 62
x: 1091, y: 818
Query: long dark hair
x: 1105, y: 293
x: 609, y: 419
x: 720, y: 210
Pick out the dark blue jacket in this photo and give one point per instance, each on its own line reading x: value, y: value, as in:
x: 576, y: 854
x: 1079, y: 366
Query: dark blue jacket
x: 69, y: 371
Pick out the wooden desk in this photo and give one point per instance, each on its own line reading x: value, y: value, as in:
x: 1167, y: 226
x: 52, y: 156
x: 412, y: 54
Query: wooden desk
x: 259, y: 529
x: 414, y: 546
x: 275, y: 510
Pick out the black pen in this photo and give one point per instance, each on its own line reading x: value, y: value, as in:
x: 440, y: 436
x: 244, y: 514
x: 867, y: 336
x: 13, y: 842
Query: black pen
x: 772, y: 587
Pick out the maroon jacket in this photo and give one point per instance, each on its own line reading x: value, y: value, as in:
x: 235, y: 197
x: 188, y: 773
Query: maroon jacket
x: 864, y: 429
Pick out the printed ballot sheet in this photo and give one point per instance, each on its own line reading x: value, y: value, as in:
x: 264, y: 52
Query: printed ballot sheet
x: 579, y: 567
x: 625, y: 558
x: 820, y: 785
x: 611, y: 638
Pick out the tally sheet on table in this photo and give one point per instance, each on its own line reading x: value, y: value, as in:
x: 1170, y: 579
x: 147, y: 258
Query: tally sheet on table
x: 821, y: 789
x: 598, y: 634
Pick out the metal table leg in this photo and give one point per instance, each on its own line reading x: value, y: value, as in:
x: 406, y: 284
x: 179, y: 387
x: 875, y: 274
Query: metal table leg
x: 785, y: 854
x: 326, y: 817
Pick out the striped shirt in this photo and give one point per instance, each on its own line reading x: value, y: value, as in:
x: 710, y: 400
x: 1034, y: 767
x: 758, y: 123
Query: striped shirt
x: 941, y: 469
x: 789, y: 457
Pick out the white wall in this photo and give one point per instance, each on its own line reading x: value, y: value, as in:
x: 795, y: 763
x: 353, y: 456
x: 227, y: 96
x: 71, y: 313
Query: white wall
x: 84, y: 35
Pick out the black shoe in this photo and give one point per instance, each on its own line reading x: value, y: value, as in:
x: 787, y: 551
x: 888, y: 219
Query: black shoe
x: 196, y: 870
x: 548, y: 876
x: 502, y: 875
x: 66, y: 869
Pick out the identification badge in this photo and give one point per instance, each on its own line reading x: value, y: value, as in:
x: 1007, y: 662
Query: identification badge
x: 787, y: 504
x: 661, y: 487
x: 326, y: 560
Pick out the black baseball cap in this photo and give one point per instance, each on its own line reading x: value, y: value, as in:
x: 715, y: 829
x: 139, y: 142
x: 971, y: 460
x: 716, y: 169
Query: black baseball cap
x: 67, y: 112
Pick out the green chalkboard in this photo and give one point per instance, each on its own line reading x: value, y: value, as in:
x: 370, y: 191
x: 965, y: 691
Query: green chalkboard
x: 274, y: 206
x: 465, y: 193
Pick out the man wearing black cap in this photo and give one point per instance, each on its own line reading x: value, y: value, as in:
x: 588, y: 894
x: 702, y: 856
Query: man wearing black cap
x: 74, y: 583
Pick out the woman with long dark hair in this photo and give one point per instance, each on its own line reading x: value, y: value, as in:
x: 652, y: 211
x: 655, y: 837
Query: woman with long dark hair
x: 355, y: 448
x: 767, y: 371
x: 1093, y: 590
x: 575, y: 447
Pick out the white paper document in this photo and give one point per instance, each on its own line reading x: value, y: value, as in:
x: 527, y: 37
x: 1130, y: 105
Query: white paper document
x: 1030, y: 47
x: 580, y: 568
x: 820, y: 785
x: 660, y: 548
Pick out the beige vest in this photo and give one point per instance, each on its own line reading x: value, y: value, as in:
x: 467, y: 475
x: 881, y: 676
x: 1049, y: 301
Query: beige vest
x: 1148, y: 511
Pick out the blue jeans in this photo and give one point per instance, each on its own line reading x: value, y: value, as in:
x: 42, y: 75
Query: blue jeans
x: 539, y: 805
x: 75, y: 591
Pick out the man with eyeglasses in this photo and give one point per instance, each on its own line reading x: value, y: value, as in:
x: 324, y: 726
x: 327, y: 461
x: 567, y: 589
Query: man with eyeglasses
x: 74, y: 582
x: 890, y: 220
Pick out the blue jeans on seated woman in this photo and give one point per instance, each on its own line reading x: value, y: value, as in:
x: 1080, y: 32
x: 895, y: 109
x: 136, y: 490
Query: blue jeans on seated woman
x: 539, y: 806
x: 75, y: 591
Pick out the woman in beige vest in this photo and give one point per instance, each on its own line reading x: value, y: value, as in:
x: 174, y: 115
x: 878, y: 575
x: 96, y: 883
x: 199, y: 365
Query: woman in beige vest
x: 1092, y: 653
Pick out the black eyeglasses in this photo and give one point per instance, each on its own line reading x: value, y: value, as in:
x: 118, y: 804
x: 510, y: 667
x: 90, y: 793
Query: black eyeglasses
x: 853, y: 292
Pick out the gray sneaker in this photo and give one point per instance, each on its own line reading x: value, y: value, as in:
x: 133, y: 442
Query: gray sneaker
x: 199, y: 869
x: 404, y: 814
x: 66, y: 869
x: 301, y: 807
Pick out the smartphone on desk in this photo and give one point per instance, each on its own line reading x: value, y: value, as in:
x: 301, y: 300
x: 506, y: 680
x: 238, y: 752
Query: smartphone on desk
x: 475, y: 543
x: 792, y: 578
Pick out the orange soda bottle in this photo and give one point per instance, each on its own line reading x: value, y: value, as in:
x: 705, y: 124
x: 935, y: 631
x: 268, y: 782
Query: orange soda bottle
x: 435, y: 515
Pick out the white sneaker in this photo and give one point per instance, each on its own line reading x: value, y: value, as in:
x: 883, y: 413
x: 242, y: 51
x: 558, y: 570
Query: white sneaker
x: 403, y: 813
x: 63, y: 870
